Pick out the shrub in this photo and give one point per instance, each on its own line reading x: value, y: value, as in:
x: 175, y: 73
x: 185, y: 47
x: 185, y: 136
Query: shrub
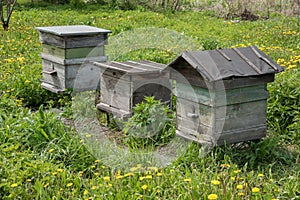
x: 151, y: 125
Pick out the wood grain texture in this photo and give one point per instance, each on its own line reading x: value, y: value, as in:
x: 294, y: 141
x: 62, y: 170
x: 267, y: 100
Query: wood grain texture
x: 83, y: 52
x: 73, y: 41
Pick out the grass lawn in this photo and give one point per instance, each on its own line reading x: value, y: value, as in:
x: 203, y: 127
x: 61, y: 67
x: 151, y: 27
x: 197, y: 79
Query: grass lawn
x: 42, y: 158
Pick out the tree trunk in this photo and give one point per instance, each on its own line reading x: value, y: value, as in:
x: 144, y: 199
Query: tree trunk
x: 5, y: 26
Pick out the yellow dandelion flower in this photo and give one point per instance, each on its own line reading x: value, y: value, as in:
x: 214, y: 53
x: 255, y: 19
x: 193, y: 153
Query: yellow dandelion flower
x: 212, y: 197
x: 59, y: 170
x: 260, y: 175
x: 94, y: 187
x: 128, y: 174
x: 106, y: 178
x: 97, y: 161
x: 54, y: 173
x: 28, y: 180
x: 171, y: 170
x: 144, y: 187
x: 86, y: 192
x: 159, y: 174
x: 148, y: 177
x: 215, y: 182
x: 14, y: 185
x: 240, y: 187
x: 21, y: 59
x: 80, y: 173
x: 142, y: 178
x: 187, y: 180
x: 27, y: 81
x: 110, y: 185
x: 51, y: 150
x: 232, y: 178
x: 225, y: 165
x: 158, y: 191
x: 237, y: 171
x: 119, y: 177
x: 255, y: 190
x: 46, y: 185
x: 241, y: 194
x: 69, y: 184
x: 93, y: 166
x: 96, y: 174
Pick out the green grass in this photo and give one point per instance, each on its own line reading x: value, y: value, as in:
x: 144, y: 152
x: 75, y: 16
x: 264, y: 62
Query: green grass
x: 41, y: 158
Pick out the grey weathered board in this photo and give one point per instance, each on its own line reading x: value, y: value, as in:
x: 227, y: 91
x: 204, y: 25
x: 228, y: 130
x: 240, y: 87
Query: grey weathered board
x: 84, y: 52
x: 125, y: 84
x: 79, y: 74
x: 75, y: 36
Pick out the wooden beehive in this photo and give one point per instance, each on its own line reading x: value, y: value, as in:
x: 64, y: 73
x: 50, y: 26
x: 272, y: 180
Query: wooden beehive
x: 125, y: 84
x: 222, y: 97
x: 67, y: 56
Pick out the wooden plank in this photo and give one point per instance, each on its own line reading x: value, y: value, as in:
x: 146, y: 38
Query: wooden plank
x: 73, y: 61
x: 57, y: 79
x: 149, y: 64
x: 116, y: 112
x: 116, y: 93
x: 242, y: 135
x: 52, y: 88
x: 116, y: 74
x: 235, y: 110
x: 73, y: 53
x: 187, y: 92
x: 236, y: 82
x: 201, y: 139
x: 243, y: 121
x: 229, y: 137
x: 204, y: 112
x: 220, y: 98
x: 151, y: 76
x: 73, y: 42
x: 82, y: 77
x: 87, y: 41
x: 193, y: 126
x: 189, y: 75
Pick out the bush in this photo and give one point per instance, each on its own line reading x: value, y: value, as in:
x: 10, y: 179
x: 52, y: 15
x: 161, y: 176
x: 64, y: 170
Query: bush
x: 284, y: 106
x: 151, y: 125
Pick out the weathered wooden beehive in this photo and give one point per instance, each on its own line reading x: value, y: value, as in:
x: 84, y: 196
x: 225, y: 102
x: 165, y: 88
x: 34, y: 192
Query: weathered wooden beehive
x: 67, y: 55
x: 222, y: 97
x: 125, y: 84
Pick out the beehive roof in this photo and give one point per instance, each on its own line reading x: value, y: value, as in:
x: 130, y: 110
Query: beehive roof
x: 220, y: 64
x: 133, y: 67
x: 73, y: 30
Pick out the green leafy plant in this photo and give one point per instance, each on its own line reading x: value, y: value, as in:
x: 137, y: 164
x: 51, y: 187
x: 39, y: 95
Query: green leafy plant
x: 151, y: 125
x: 284, y: 107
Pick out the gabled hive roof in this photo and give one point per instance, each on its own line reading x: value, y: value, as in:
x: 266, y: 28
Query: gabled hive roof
x: 220, y: 64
